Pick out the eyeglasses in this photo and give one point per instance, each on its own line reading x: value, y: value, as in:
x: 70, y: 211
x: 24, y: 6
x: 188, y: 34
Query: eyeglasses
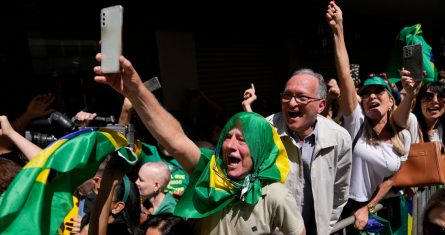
x: 300, y: 99
x: 429, y: 96
x: 377, y: 90
x: 432, y: 228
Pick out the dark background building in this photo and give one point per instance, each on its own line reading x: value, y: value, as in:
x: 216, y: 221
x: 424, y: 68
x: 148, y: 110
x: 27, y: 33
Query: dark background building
x: 219, y: 48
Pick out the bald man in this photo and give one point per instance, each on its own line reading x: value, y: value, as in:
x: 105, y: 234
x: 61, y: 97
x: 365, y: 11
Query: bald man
x: 152, y: 179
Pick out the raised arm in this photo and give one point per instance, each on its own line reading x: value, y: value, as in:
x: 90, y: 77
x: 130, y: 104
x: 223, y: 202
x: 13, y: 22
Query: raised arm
x: 401, y: 113
x: 162, y: 125
x: 249, y: 97
x: 38, y: 107
x: 29, y: 149
x: 334, y: 17
x: 126, y: 112
x: 112, y: 176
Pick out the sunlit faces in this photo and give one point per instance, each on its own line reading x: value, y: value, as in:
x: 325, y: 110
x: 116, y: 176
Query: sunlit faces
x: 147, y: 185
x: 366, y: 92
x: 376, y: 101
x: 433, y: 105
x: 236, y: 155
x: 300, y: 116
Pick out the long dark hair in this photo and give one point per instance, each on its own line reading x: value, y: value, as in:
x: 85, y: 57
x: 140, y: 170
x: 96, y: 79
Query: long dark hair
x: 129, y: 216
x: 436, y: 87
x: 132, y: 210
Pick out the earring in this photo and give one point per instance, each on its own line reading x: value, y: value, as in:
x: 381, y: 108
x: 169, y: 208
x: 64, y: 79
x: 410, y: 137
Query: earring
x: 113, y: 212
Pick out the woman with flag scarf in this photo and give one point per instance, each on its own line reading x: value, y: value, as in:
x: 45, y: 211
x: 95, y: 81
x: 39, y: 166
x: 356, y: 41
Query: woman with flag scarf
x: 234, y: 190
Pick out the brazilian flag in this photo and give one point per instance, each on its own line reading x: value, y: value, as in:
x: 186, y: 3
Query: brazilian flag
x: 410, y: 36
x: 40, y: 196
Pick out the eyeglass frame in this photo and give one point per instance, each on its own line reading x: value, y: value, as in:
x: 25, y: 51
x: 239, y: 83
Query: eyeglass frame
x: 297, y: 98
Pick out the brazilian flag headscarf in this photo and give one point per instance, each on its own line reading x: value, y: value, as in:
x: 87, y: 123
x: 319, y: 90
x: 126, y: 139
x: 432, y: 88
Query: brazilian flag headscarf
x: 210, y: 189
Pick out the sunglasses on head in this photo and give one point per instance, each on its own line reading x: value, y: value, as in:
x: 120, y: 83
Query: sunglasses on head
x: 377, y: 90
x: 429, y: 96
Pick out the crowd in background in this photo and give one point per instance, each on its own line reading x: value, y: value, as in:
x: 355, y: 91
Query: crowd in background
x: 330, y: 153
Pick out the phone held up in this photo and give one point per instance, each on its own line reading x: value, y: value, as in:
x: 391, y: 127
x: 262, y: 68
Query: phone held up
x: 111, y: 38
x: 413, y: 60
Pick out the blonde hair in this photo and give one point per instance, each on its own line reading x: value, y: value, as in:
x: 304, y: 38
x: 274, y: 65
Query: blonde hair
x: 397, y: 138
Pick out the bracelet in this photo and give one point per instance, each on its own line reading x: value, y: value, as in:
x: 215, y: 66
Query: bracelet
x: 371, y: 208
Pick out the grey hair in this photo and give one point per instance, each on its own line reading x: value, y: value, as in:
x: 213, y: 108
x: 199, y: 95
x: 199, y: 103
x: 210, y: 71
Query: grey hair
x: 322, y: 88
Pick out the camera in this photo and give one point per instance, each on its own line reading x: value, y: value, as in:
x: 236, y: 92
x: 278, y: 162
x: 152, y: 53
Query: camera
x: 44, y: 131
x: 39, y: 138
x: 127, y: 131
x: 58, y: 125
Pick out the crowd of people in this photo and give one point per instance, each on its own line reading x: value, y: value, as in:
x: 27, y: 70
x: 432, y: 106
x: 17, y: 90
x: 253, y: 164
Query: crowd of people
x: 330, y: 153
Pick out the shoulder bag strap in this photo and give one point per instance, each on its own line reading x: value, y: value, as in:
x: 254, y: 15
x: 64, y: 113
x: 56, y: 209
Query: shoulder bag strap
x: 357, y: 136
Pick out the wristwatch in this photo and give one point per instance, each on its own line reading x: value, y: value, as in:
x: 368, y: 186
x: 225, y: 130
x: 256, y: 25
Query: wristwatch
x: 371, y: 209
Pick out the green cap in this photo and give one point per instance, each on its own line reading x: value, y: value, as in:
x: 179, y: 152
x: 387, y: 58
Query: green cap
x: 376, y: 80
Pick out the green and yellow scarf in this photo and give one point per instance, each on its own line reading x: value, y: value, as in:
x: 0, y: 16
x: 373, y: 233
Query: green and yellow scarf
x: 210, y: 189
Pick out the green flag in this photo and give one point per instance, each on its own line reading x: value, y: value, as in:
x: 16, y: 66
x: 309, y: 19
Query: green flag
x: 410, y: 36
x: 41, y: 194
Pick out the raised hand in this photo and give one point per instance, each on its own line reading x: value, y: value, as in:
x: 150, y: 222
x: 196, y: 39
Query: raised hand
x: 249, y: 97
x: 126, y: 82
x: 39, y: 106
x: 410, y: 86
x: 334, y: 16
x: 5, y: 127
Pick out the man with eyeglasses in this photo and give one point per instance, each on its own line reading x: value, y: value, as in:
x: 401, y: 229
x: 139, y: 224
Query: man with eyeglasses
x: 319, y: 151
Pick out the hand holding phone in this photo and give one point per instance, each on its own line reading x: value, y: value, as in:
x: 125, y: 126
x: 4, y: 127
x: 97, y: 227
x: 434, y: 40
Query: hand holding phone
x: 111, y: 38
x: 413, y: 61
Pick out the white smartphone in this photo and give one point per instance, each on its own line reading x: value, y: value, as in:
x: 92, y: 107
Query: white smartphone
x: 111, y: 19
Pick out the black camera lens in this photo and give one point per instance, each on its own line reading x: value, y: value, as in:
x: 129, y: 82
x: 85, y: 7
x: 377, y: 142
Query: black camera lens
x: 40, y: 139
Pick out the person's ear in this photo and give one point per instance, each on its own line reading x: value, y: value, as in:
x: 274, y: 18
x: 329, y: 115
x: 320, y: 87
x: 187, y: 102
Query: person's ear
x: 118, y: 207
x: 97, y: 180
x: 392, y: 103
x: 321, y: 105
x: 156, y: 188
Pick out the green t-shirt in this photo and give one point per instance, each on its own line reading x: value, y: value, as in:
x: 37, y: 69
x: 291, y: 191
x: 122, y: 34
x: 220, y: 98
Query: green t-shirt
x: 167, y: 205
x: 179, y: 178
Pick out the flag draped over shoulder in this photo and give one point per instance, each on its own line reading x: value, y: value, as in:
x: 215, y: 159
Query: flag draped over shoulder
x: 210, y: 189
x: 40, y: 196
x: 409, y: 36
